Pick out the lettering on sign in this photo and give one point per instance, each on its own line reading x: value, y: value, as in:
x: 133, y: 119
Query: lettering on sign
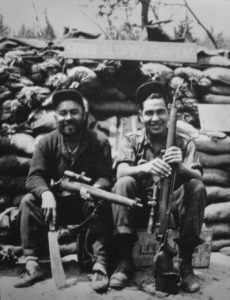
x: 131, y: 50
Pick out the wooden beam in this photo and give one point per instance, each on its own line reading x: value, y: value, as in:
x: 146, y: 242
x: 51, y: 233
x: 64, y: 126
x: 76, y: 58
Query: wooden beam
x: 131, y: 50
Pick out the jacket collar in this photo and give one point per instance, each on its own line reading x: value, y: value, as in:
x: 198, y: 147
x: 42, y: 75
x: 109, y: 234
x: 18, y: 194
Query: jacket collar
x: 83, y: 144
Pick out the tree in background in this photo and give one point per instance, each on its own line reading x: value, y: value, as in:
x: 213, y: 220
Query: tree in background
x: 184, y: 30
x: 221, y: 41
x: 4, y: 29
x: 109, y: 11
x: 46, y: 33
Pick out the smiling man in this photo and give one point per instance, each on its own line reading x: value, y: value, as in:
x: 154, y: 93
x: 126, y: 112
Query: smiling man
x: 139, y: 160
x: 71, y: 147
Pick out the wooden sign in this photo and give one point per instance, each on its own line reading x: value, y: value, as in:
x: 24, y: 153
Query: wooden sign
x: 131, y: 50
x: 214, y: 117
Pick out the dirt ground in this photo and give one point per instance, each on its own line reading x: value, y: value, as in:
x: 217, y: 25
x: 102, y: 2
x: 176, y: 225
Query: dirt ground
x: 215, y: 285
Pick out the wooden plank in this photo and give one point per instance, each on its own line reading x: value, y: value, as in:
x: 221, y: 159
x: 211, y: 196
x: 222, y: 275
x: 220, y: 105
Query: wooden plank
x: 131, y: 50
x: 214, y: 117
x: 146, y: 247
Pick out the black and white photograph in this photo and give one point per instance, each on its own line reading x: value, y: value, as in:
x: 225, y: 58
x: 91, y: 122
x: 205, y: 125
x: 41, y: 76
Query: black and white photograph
x: 114, y: 149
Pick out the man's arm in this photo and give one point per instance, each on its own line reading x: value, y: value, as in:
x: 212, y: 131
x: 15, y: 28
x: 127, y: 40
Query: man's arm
x: 155, y: 167
x: 38, y: 182
x: 126, y: 162
x: 189, y: 167
x: 188, y: 172
x: 103, y: 165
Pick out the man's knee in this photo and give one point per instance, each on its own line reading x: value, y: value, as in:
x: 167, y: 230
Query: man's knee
x: 27, y: 200
x: 197, y: 188
x: 124, y: 183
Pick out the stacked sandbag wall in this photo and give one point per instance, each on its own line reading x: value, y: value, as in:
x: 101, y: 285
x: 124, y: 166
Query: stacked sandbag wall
x: 214, y: 154
x: 30, y: 73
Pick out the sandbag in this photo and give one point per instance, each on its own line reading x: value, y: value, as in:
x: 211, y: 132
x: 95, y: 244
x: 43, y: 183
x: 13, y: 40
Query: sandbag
x: 33, y: 96
x: 18, y: 82
x: 24, y: 143
x: 14, y: 111
x: 186, y: 129
x: 217, y: 194
x: 220, y: 90
x: 214, y: 160
x: 215, y: 99
x: 214, y: 60
x: 13, y: 183
x: 211, y: 143
x: 219, y: 230
x: 5, y: 93
x: 189, y: 73
x: 158, y: 72
x: 44, y: 69
x: 88, y: 80
x: 18, y: 143
x: 218, y: 74
x: 216, y: 176
x: 12, y: 164
x: 56, y: 80
x: 204, y: 82
x: 42, y: 121
x: 218, y: 244
x: 217, y: 212
x: 108, y: 94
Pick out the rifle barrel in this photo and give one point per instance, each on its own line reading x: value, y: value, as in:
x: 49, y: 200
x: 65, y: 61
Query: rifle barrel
x: 75, y: 186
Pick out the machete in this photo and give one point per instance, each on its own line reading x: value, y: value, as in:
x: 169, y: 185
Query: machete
x: 55, y: 258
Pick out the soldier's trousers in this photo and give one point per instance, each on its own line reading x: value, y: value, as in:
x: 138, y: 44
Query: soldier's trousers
x: 70, y: 210
x: 188, y: 210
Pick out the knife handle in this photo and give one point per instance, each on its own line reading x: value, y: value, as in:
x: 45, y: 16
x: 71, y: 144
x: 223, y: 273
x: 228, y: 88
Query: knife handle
x: 52, y: 226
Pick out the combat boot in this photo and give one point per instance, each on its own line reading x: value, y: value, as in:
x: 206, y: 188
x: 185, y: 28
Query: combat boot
x: 32, y: 274
x: 189, y: 281
x: 124, y: 269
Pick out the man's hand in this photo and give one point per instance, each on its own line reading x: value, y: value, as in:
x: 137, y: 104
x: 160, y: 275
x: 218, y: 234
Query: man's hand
x: 49, y: 207
x: 85, y: 195
x: 156, y: 167
x: 173, y: 155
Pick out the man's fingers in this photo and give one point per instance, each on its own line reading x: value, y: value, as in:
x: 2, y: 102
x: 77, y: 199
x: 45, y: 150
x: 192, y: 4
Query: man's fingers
x: 47, y: 215
x: 162, y: 167
x: 54, y: 212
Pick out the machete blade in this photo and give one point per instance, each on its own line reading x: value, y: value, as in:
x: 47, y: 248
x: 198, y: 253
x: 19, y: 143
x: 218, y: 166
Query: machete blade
x: 55, y: 259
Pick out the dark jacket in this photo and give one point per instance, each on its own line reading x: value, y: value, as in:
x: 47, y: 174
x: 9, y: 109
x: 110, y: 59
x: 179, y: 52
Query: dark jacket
x: 51, y: 159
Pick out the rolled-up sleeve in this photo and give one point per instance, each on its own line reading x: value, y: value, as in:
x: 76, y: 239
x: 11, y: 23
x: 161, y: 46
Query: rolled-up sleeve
x: 191, y: 157
x: 126, y: 152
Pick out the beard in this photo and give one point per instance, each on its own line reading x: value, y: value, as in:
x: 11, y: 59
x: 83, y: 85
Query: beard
x: 71, y: 128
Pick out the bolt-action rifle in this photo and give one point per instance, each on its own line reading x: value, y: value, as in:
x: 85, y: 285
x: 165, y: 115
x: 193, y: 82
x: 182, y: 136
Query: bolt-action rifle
x: 73, y: 183
x: 166, y: 276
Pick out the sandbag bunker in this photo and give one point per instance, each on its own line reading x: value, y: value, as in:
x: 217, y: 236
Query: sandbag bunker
x: 30, y: 71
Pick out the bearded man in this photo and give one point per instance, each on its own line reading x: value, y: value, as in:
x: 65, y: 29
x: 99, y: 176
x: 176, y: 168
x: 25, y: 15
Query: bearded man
x: 72, y: 146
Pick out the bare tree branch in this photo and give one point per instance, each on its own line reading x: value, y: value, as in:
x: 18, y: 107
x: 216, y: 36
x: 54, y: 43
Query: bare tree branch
x: 144, y: 12
x: 169, y: 4
x: 160, y: 22
x: 201, y: 24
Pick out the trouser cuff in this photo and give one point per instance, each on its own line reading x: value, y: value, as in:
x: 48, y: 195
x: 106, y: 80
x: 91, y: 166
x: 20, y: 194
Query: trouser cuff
x: 122, y: 230
x: 35, y: 258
